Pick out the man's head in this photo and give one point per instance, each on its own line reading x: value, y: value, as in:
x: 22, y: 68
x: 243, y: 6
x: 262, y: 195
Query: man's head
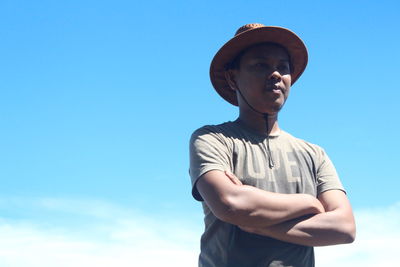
x: 261, y: 75
x: 248, y: 38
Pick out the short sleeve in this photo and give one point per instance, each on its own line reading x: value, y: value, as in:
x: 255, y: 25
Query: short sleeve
x: 327, y: 177
x: 208, y: 151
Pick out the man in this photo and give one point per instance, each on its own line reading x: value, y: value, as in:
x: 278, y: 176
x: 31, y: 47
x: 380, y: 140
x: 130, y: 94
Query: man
x: 268, y: 197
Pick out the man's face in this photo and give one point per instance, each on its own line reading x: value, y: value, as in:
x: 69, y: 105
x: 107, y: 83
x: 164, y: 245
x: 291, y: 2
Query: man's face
x: 263, y: 77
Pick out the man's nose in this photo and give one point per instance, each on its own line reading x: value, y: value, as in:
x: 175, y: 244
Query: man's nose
x: 275, y: 76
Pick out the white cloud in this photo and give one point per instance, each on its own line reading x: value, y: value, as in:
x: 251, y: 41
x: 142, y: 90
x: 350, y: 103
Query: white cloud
x: 377, y: 241
x: 94, y: 233
x: 113, y: 237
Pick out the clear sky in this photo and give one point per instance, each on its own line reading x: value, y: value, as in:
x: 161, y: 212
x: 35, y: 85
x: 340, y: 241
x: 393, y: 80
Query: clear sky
x: 99, y: 98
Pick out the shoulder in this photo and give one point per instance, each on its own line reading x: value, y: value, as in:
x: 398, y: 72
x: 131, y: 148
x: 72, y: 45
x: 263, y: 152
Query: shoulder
x: 217, y: 128
x: 219, y: 131
x: 303, y: 145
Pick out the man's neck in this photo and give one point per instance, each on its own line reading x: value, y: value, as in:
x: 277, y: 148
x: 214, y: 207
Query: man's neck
x: 257, y: 123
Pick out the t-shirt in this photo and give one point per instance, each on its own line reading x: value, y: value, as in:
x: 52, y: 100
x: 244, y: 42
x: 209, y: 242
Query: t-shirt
x: 299, y: 167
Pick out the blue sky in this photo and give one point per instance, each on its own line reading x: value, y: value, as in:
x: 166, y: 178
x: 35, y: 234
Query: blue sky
x: 99, y: 98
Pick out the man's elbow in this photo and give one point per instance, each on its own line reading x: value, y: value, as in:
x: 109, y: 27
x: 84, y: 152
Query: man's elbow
x: 232, y: 211
x: 226, y: 210
x: 349, y: 233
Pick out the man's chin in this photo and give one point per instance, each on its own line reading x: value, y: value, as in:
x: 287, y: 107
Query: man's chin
x: 274, y: 109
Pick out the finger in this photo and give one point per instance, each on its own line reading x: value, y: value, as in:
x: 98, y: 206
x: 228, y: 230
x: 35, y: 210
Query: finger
x: 233, y: 178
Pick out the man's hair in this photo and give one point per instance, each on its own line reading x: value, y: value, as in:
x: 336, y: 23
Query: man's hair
x: 235, y: 63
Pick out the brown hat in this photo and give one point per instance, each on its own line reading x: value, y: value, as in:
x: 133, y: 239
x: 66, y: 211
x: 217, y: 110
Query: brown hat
x: 249, y: 35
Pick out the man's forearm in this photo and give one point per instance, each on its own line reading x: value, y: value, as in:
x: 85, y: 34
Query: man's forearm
x: 316, y: 230
x: 249, y: 206
x: 328, y: 228
x: 254, y: 207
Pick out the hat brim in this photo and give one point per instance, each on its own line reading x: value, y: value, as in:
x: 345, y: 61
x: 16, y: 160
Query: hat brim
x: 267, y: 34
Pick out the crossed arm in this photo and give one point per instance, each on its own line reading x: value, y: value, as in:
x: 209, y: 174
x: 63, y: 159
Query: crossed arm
x: 295, y: 218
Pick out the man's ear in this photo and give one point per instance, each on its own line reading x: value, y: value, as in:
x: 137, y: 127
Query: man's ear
x: 230, y: 78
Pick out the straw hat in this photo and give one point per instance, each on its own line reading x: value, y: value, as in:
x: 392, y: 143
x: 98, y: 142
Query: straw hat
x: 249, y: 35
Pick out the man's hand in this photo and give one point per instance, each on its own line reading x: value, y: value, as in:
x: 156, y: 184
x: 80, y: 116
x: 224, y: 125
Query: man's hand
x: 233, y: 178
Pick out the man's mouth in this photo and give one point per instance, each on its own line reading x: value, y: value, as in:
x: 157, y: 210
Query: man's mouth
x: 274, y: 89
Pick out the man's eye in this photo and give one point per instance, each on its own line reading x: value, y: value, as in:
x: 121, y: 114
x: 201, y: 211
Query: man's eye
x: 283, y: 68
x: 261, y: 65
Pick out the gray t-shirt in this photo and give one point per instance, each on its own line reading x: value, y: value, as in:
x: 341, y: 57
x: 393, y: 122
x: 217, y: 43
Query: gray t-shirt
x: 299, y: 167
